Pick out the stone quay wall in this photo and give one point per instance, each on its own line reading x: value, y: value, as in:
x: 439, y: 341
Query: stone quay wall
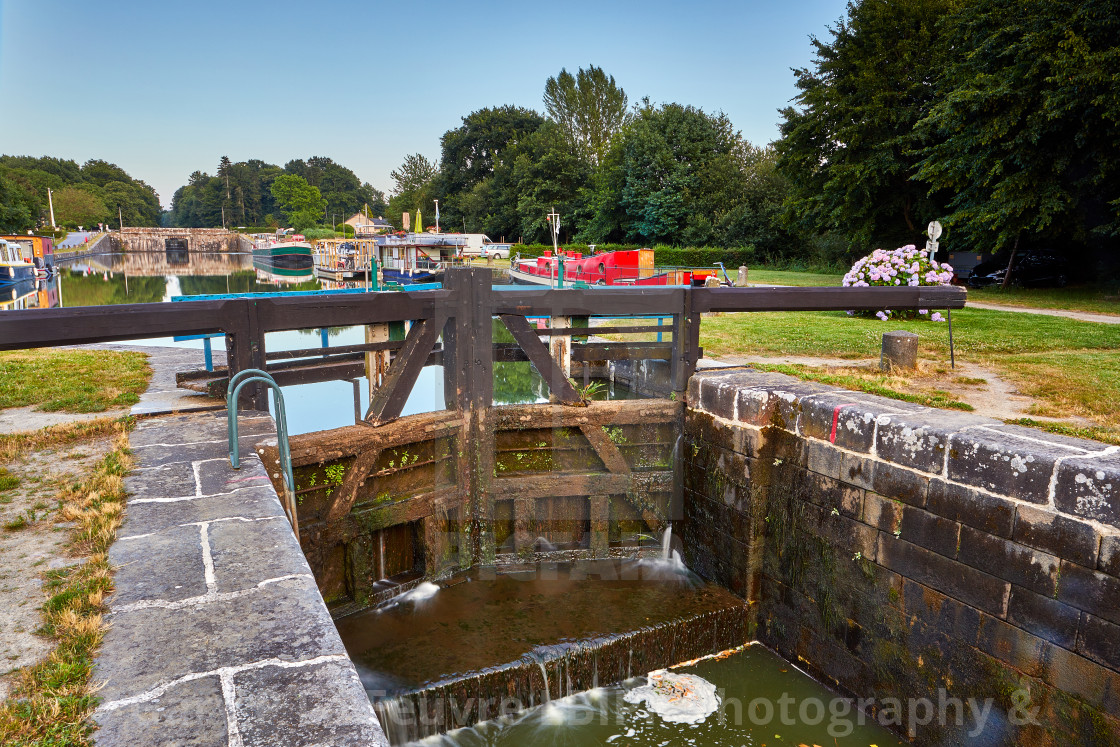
x: 904, y: 552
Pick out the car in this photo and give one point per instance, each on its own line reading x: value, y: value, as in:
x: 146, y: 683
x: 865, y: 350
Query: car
x: 496, y: 251
x: 1032, y: 268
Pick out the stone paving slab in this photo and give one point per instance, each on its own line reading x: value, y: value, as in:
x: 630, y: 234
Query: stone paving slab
x: 218, y: 634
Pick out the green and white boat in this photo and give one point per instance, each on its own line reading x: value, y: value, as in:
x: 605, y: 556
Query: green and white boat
x: 286, y: 259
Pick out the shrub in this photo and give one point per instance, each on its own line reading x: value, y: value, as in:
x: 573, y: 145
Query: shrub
x: 906, y: 265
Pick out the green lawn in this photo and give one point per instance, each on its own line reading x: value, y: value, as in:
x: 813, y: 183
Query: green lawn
x: 1081, y: 298
x: 72, y: 380
x: 762, y: 276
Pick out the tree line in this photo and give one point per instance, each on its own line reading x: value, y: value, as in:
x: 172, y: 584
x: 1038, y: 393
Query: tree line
x: 95, y: 192
x: 302, y: 194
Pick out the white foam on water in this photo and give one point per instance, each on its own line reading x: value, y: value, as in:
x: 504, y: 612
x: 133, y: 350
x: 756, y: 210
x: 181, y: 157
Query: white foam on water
x: 676, y: 698
x: 421, y: 593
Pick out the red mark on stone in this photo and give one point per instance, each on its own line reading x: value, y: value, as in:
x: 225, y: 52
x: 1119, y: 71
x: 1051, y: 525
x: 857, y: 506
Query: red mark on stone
x: 836, y: 417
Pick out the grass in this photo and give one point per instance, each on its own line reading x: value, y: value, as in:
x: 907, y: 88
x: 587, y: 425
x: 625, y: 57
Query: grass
x: 72, y: 380
x: 8, y: 481
x: 1090, y: 432
x: 52, y: 700
x: 872, y: 383
x: 1094, y: 299
x: 762, y: 276
x: 14, y: 444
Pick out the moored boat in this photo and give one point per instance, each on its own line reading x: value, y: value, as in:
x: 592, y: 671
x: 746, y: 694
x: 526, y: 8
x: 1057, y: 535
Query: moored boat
x: 13, y: 267
x: 621, y: 268
x: 286, y: 258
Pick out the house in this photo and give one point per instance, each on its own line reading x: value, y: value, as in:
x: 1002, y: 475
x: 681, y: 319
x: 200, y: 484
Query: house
x: 367, y: 226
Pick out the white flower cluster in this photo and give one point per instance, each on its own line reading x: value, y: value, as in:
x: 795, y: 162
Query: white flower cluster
x: 906, y: 265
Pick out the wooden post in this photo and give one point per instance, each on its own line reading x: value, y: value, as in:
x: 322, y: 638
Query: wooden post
x: 377, y: 361
x: 560, y: 347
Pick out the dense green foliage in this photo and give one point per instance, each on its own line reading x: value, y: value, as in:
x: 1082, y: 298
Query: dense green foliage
x: 302, y: 204
x: 83, y: 195
x: 240, y: 194
x: 998, y: 118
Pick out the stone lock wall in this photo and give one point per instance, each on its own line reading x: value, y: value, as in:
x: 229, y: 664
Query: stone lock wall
x: 899, y: 551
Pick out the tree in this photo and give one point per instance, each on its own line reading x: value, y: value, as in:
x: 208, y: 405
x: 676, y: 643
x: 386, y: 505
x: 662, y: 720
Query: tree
x: 303, y: 204
x: 19, y: 210
x: 75, y: 206
x: 589, y: 107
x: 414, y: 182
x: 849, y: 148
x: 1025, y: 132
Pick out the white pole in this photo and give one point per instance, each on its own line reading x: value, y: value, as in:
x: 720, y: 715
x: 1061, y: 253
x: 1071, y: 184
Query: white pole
x: 50, y: 199
x: 120, y: 217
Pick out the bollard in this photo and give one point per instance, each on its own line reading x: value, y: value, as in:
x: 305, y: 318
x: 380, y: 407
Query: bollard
x: 900, y: 350
x: 741, y: 278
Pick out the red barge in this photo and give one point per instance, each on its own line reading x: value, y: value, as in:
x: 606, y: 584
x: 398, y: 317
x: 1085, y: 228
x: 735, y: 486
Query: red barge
x: 623, y: 268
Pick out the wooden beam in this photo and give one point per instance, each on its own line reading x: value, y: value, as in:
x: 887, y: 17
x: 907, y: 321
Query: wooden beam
x: 573, y: 484
x: 339, y: 443
x: 389, y: 399
x: 612, y: 412
x: 546, y: 365
x: 605, y: 448
x: 622, y: 351
x: 354, y: 479
x: 827, y: 299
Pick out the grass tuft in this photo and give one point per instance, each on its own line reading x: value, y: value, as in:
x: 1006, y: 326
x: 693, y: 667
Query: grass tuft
x: 52, y: 700
x: 871, y: 384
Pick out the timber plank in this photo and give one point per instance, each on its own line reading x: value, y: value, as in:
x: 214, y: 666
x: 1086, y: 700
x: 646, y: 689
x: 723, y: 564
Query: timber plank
x: 546, y: 365
x: 605, y: 448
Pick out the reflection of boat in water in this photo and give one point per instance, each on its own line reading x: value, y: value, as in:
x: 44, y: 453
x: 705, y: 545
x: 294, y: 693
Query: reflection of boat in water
x: 625, y: 268
x: 30, y: 293
x: 271, y: 276
x: 13, y: 267
x: 288, y: 259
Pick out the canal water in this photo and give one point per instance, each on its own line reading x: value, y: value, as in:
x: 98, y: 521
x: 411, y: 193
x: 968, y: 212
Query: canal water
x: 120, y: 278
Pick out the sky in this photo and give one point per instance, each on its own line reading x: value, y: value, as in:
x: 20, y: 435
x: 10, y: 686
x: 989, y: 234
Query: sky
x: 163, y: 89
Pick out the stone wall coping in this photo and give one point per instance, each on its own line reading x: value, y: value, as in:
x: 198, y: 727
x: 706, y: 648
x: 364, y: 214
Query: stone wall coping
x: 1063, y: 476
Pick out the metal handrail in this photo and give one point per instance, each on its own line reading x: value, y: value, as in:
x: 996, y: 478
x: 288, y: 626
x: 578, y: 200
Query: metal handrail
x: 236, y: 382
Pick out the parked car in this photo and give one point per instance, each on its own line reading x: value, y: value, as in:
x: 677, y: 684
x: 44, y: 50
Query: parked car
x: 1032, y: 268
x: 498, y: 251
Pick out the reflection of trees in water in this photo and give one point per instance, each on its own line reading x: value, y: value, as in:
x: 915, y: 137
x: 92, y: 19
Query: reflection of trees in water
x: 236, y: 282
x: 94, y: 290
x: 514, y: 382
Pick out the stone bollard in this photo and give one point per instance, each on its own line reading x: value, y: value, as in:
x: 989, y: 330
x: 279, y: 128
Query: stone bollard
x: 741, y: 278
x: 900, y: 350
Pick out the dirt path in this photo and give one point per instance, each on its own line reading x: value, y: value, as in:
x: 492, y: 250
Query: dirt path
x: 1081, y: 316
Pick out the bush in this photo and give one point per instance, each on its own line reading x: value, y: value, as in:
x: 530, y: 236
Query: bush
x: 907, y: 265
x: 315, y: 234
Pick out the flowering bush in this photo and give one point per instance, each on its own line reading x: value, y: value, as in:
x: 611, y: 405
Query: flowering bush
x: 905, y: 266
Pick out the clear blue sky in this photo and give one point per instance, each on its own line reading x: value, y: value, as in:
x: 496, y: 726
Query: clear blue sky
x: 166, y: 88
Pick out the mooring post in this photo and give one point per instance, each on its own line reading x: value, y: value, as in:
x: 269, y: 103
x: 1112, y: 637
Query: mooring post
x: 245, y: 349
x: 377, y: 361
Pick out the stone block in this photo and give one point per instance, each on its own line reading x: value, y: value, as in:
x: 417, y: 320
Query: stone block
x: 320, y: 704
x: 166, y: 565
x: 189, y: 714
x: 901, y: 484
x: 957, y: 580
x: 930, y: 531
x: 248, y: 552
x: 858, y: 471
x: 1069, y: 539
x: 988, y: 513
x: 717, y: 396
x: 777, y: 404
x: 1083, y: 678
x: 1019, y: 564
x: 900, y: 350
x: 940, y: 613
x: 822, y: 458
x: 1109, y: 559
x: 920, y: 439
x: 286, y: 620
x: 1089, y: 487
x: 1094, y: 592
x: 1099, y: 640
x: 1044, y: 617
x: 144, y: 518
x: 1027, y: 653
x: 1004, y: 464
x: 854, y: 421
x: 882, y: 513
x: 832, y: 494
x: 847, y: 536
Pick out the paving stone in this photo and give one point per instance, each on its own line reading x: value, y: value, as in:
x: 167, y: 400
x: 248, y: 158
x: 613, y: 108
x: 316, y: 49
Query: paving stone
x: 189, y: 714
x: 323, y: 704
x: 248, y: 552
x: 1090, y: 487
x: 988, y: 513
x: 166, y: 481
x: 281, y: 620
x: 142, y: 518
x: 1070, y: 539
x: 1002, y: 464
x: 166, y: 565
x: 854, y: 421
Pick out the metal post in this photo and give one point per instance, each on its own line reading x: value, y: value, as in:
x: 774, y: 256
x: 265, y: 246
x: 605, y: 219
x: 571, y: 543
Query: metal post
x: 952, y: 355
x: 324, y: 337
